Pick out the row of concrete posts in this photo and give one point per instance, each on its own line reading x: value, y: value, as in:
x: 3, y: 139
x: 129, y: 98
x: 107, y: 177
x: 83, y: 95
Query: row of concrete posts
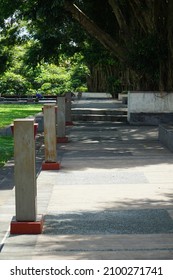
x: 56, y: 117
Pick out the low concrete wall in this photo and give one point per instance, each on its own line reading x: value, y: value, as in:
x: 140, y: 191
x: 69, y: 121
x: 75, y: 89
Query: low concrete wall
x: 150, y: 108
x: 40, y: 120
x: 6, y: 131
x: 121, y: 95
x: 166, y: 136
x: 96, y: 95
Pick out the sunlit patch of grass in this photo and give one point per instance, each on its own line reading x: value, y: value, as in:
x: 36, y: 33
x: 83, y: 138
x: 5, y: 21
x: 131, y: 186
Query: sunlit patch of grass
x: 9, y: 112
x: 6, y: 149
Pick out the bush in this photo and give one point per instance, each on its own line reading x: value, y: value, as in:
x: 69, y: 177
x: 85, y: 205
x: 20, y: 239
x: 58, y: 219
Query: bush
x: 47, y: 79
x: 52, y: 80
x: 78, y: 77
x: 13, y: 84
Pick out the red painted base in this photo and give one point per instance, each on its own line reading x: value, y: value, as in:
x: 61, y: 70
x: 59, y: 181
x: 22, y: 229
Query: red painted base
x: 69, y: 123
x: 27, y: 227
x: 50, y: 166
x: 62, y: 139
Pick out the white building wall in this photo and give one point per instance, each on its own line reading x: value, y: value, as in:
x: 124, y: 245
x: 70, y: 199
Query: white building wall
x: 149, y: 102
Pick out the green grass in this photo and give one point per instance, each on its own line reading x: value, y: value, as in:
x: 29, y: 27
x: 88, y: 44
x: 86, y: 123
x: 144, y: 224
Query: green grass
x: 6, y: 149
x: 9, y: 112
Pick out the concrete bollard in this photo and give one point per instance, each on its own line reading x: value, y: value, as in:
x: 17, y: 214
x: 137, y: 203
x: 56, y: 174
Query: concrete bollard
x: 61, y: 138
x: 50, y: 138
x: 26, y: 221
x: 68, y: 116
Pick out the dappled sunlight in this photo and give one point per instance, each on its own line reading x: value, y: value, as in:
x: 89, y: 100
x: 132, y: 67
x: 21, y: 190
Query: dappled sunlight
x: 111, y: 146
x: 131, y: 221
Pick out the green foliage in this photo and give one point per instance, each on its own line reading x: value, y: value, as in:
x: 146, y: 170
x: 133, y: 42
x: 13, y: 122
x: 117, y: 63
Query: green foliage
x: 144, y: 56
x: 33, y: 55
x: 13, y: 84
x: 54, y: 33
x: 68, y: 76
x: 5, y: 52
x: 7, y: 8
x: 4, y: 55
x: 52, y: 80
x: 46, y: 78
x: 9, y: 35
x: 78, y: 72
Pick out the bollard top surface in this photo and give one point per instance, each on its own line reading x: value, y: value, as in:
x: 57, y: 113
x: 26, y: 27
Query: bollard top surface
x: 50, y: 105
x: 25, y: 120
x: 22, y: 120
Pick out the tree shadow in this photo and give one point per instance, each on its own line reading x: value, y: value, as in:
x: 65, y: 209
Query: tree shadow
x: 133, y: 232
x: 135, y: 221
x: 115, y: 146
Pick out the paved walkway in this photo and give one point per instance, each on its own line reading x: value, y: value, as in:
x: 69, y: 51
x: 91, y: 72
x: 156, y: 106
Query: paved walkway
x: 111, y: 199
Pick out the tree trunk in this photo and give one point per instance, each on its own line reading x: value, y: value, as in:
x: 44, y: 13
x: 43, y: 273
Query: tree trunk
x: 148, y: 17
x: 144, y: 16
x: 124, y: 29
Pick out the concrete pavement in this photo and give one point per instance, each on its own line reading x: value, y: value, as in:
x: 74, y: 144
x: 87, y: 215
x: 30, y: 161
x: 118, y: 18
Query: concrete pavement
x: 111, y: 199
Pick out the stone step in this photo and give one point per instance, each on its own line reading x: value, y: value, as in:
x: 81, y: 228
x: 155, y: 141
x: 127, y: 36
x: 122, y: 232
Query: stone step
x: 95, y: 117
x: 104, y: 112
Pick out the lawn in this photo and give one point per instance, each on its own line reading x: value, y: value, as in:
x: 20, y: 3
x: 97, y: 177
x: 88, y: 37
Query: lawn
x: 7, y: 114
x: 6, y: 149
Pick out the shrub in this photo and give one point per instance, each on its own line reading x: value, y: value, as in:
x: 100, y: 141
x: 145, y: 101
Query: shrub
x: 13, y: 84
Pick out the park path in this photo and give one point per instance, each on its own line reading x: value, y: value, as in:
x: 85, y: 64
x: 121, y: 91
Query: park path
x: 111, y: 199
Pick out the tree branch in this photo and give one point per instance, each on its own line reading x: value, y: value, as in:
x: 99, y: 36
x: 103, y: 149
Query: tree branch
x: 119, y: 16
x: 105, y: 39
x: 143, y: 17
